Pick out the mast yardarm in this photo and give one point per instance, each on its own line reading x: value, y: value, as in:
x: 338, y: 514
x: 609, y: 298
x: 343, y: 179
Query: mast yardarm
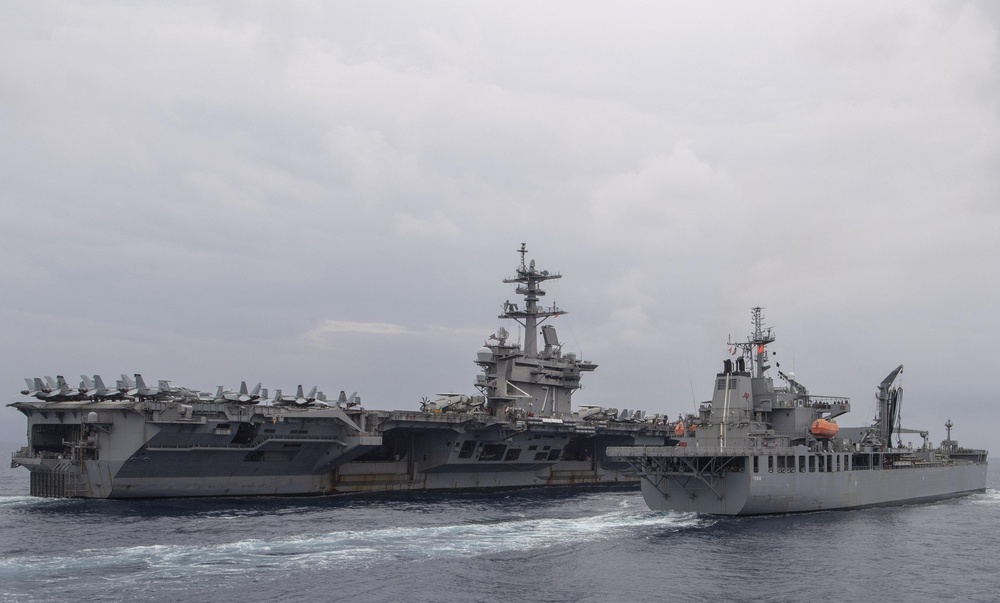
x: 529, y: 279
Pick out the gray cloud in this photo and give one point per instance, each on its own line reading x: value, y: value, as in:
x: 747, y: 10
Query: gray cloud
x: 332, y: 194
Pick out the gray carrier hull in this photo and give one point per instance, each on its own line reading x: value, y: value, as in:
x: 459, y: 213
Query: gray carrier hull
x: 415, y: 457
x: 161, y: 449
x: 135, y: 441
x: 289, y: 452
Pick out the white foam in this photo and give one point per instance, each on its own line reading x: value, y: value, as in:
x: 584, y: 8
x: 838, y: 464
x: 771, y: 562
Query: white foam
x: 990, y: 497
x: 348, y: 548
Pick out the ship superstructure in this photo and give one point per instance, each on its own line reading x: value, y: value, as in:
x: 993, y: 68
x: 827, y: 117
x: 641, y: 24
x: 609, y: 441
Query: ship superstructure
x: 526, y: 380
x: 758, y: 448
x: 520, y: 431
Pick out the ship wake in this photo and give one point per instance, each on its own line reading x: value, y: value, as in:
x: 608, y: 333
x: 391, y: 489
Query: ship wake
x: 343, y: 549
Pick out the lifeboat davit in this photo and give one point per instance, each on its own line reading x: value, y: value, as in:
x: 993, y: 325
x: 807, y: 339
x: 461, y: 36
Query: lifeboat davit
x: 679, y: 429
x: 821, y: 428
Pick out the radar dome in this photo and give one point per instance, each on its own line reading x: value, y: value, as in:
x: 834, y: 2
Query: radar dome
x: 484, y: 354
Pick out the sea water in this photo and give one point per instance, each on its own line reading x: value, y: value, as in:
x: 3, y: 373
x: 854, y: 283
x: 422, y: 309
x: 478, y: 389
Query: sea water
x: 530, y: 545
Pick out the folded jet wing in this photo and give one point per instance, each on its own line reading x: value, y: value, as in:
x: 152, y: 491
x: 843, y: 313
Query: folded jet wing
x: 60, y: 390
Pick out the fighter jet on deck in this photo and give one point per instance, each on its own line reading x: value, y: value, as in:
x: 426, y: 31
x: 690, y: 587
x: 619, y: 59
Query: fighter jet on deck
x: 242, y: 397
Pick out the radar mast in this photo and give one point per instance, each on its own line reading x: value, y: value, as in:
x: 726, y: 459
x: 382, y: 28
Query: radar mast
x: 754, y: 348
x: 529, y: 279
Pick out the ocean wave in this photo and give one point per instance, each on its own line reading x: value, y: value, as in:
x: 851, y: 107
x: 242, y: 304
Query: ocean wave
x: 35, y: 501
x: 345, y: 548
x: 9, y: 501
x: 990, y: 497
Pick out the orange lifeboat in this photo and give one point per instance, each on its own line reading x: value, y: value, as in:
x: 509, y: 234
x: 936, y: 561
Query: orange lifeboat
x: 821, y: 428
x: 679, y: 429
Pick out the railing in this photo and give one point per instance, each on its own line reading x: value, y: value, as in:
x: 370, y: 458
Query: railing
x: 817, y: 402
x: 25, y: 453
x: 692, y: 451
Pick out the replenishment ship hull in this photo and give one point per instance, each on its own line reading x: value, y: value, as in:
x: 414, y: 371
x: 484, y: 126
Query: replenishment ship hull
x: 739, y: 491
x: 757, y: 449
x: 519, y: 431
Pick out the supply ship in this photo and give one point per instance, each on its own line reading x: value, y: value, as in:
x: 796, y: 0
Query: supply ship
x: 519, y: 430
x: 757, y: 448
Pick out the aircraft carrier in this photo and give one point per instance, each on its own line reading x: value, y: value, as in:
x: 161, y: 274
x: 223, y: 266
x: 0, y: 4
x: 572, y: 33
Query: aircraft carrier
x: 519, y: 430
x: 757, y: 448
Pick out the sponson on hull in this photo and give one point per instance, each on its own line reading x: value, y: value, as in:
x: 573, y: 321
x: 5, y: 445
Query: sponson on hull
x: 758, y: 448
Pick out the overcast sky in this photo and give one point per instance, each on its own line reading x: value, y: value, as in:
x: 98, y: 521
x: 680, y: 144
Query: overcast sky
x: 331, y: 194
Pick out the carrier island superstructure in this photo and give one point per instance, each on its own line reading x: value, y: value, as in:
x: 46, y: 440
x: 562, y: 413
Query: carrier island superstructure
x: 519, y: 430
x: 757, y: 448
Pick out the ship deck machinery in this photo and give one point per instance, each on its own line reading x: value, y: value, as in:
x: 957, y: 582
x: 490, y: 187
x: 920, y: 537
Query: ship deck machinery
x: 756, y: 448
x: 520, y: 431
x: 163, y: 448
